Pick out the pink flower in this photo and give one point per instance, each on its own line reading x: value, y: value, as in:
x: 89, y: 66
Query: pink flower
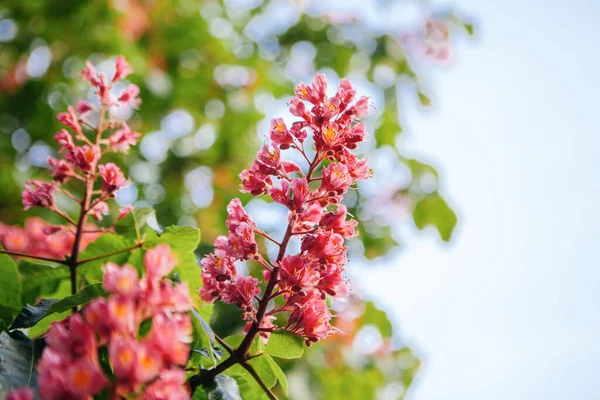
x: 298, y: 109
x: 241, y: 242
x: 268, y: 162
x: 20, y: 394
x: 38, y: 194
x: 124, y: 211
x: 236, y: 215
x: 122, y: 69
x: 324, y: 248
x: 255, y: 182
x: 336, y: 222
x: 83, y: 107
x: 310, y: 317
x: 130, y: 96
x: 71, y: 120
x: 122, y: 280
x: 297, y: 275
x: 112, y: 178
x: 148, y: 363
x: 61, y: 170
x: 85, y: 157
x: 122, y: 352
x: 95, y: 314
x: 161, y: 336
x: 294, y: 200
x: 99, y: 210
x: 169, y: 386
x: 84, y: 378
x: 242, y: 292
x: 336, y: 179
x: 89, y: 73
x: 280, y: 136
x: 122, y: 139
x: 122, y: 313
x: 159, y: 261
x: 345, y: 92
x: 64, y: 139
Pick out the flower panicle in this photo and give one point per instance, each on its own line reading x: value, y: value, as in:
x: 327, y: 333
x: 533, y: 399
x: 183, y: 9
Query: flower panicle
x: 315, y: 214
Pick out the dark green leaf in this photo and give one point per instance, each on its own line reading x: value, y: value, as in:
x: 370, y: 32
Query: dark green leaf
x: 284, y: 344
x: 16, y: 361
x: 39, y: 280
x: 433, y: 210
x: 31, y: 315
x: 469, y: 28
x: 205, y: 337
x: 223, y: 387
x: 84, y: 296
x: 10, y: 291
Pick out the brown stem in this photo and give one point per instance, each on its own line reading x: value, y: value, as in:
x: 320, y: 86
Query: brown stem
x: 87, y: 260
x: 13, y: 253
x: 63, y: 215
x: 266, y: 236
x: 223, y: 343
x: 252, y: 372
x: 74, y: 260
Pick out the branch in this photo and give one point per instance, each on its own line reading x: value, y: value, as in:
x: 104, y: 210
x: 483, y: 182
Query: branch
x: 87, y: 260
x: 268, y: 391
x: 63, y: 215
x: 266, y: 236
x: 223, y: 343
x: 13, y: 253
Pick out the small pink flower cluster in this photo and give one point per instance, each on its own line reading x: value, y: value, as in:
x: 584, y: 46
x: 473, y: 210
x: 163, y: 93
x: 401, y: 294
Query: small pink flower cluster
x: 81, y: 156
x: 70, y: 368
x: 305, y: 279
x: 39, y: 238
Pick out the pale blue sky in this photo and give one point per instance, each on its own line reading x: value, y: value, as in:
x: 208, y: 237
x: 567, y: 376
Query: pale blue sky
x: 509, y: 310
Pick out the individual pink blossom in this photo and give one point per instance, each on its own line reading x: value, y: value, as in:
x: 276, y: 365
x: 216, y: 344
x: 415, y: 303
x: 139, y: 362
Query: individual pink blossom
x: 148, y: 363
x: 21, y: 394
x: 122, y: 69
x: 296, y: 274
x: 61, y: 170
x: 159, y: 261
x: 123, y: 138
x: 130, y: 96
x: 112, y: 178
x: 169, y: 386
x: 336, y: 179
x: 336, y: 221
x: 89, y: 73
x: 71, y: 120
x: 99, y: 210
x: 65, y: 140
x: 255, y: 182
x: 38, y: 194
x: 83, y: 107
x: 122, y: 313
x: 292, y: 195
x: 280, y: 136
x: 122, y: 352
x: 122, y: 280
x: 84, y: 377
x: 124, y: 211
x: 242, y: 292
x: 85, y: 157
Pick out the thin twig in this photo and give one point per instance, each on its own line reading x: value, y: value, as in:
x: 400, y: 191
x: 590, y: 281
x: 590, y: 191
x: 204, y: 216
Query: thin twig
x: 16, y: 254
x: 223, y: 343
x: 87, y: 260
x: 266, y: 236
x: 63, y: 215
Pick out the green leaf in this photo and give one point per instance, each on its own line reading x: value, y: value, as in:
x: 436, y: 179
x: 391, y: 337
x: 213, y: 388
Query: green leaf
x: 39, y: 279
x: 205, y: 337
x: 10, y: 291
x: 378, y: 318
x: 84, y: 296
x: 419, y: 168
x: 31, y: 315
x: 133, y: 224
x: 386, y: 133
x: 106, y: 245
x: 469, y: 28
x: 63, y: 290
x: 425, y: 101
x: 433, y: 210
x: 284, y: 344
x: 16, y: 361
x: 223, y: 387
x: 281, y: 378
x: 183, y: 240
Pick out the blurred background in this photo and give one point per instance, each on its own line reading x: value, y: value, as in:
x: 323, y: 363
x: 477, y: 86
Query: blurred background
x: 473, y: 274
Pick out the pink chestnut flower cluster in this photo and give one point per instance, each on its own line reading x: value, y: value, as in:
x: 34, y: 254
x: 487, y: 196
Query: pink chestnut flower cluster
x: 315, y: 215
x: 80, y: 155
x: 40, y: 238
x: 151, y: 365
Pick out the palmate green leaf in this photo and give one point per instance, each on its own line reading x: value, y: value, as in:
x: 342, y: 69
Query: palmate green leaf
x: 31, y: 315
x: 106, y: 245
x: 62, y: 291
x: 284, y: 344
x: 433, y: 210
x: 204, y: 338
x: 10, y: 291
x: 16, y: 361
x: 281, y: 378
